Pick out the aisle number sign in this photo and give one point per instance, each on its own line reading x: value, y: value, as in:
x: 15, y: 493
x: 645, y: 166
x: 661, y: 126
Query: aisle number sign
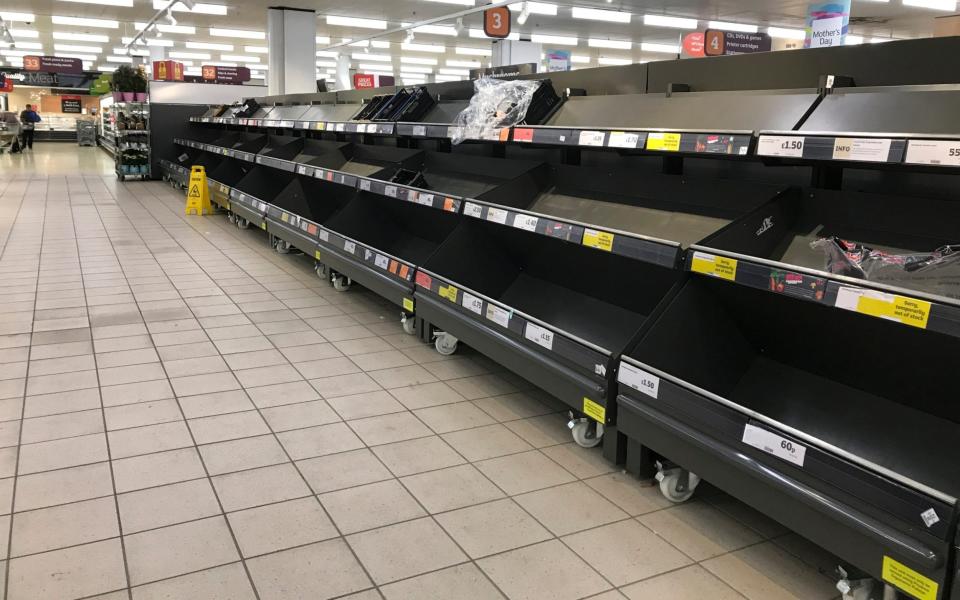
x: 496, y: 22
x: 668, y: 142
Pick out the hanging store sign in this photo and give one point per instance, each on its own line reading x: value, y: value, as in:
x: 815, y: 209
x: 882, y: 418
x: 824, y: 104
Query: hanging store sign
x: 496, y: 22
x: 52, y: 64
x: 220, y: 74
x: 827, y: 24
x: 71, y: 105
x: 6, y: 84
x: 721, y: 43
x: 167, y: 70
x: 366, y: 81
x: 693, y: 44
x: 558, y: 60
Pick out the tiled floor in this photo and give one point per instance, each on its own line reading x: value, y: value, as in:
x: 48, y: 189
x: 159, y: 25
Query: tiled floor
x: 186, y: 414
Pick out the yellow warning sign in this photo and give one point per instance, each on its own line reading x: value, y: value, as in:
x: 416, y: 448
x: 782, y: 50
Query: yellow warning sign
x: 198, y: 193
x: 903, y: 577
x: 668, y: 142
x: 718, y: 266
x: 594, y: 411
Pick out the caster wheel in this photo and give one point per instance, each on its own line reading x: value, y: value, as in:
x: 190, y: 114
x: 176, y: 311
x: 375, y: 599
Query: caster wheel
x: 283, y: 247
x: 341, y: 283
x: 322, y: 272
x: 231, y: 218
x: 446, y: 344
x: 409, y: 325
x: 671, y: 489
x: 587, y: 433
x: 122, y: 178
x: 242, y: 223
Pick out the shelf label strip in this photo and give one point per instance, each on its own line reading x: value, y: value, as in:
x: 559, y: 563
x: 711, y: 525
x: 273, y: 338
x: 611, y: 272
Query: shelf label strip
x: 774, y: 444
x: 715, y: 266
x: 901, y: 309
x: 933, y: 152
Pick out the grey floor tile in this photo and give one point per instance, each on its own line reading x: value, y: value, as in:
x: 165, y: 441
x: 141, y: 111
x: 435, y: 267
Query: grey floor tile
x: 216, y: 403
x: 344, y: 385
x: 178, y: 549
x: 404, y: 550
x: 418, y: 455
x: 146, y: 440
x: 246, y: 453
x: 141, y: 414
x: 61, y: 526
x: 69, y: 573
x: 482, y: 443
x: 229, y: 582
x: 157, y: 469
x: 426, y: 395
x: 229, y: 426
x: 41, y: 429
x: 257, y: 487
x: 493, y: 527
x: 691, y: 583
x: 280, y: 526
x: 297, y: 416
x: 519, y: 473
x: 448, y: 489
x: 167, y: 505
x: 343, y: 470
x: 571, y: 507
x: 63, y: 486
x: 385, y: 429
x: 546, y: 570
x: 130, y: 393
x: 462, y: 581
x: 369, y: 404
x: 318, y: 571
x: 453, y: 417
x: 58, y: 454
x: 204, y: 384
x: 319, y: 441
x: 370, y: 506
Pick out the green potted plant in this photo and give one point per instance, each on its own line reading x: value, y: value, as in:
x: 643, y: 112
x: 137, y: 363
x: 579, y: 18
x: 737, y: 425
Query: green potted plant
x: 124, y: 82
x: 140, y: 86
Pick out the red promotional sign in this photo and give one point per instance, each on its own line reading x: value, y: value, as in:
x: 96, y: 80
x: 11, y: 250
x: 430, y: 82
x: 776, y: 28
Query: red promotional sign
x: 52, y: 64
x: 167, y: 70
x: 220, y: 74
x: 496, y: 22
x: 6, y: 84
x: 362, y: 81
x: 693, y: 44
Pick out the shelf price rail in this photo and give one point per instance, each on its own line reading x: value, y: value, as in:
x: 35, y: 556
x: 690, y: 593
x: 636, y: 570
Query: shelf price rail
x: 880, y: 149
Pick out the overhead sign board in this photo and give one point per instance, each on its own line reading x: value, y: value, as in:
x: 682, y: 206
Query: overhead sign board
x: 721, y: 43
x: 221, y: 74
x: 496, y: 22
x: 52, y: 64
x: 71, y: 105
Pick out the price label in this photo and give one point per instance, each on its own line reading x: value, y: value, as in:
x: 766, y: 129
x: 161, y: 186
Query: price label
x: 601, y: 240
x: 285, y: 217
x: 774, y: 444
x: 623, y: 139
x: 862, y: 149
x: 349, y: 247
x: 365, y: 185
x: 319, y: 126
x: 934, y: 152
x: 499, y: 316
x: 341, y: 126
x: 591, y: 138
x: 424, y: 199
x: 539, y: 335
x: 780, y: 145
x: 390, y: 190
x: 497, y: 215
x: 639, y: 380
x: 381, y: 261
x: 716, y: 266
x: 324, y: 235
x: 302, y: 169
x: 667, y: 142
x: 472, y: 303
x: 901, y: 309
x: 473, y: 210
x: 449, y: 292
x: 419, y: 130
x: 527, y: 222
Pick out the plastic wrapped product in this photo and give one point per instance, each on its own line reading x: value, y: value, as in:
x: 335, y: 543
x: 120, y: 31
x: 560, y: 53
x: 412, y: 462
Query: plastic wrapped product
x: 844, y: 257
x: 495, y: 104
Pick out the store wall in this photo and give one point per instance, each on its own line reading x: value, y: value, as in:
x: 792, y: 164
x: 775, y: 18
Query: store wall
x: 46, y: 99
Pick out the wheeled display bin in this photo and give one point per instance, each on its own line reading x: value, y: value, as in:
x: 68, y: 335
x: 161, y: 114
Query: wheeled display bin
x: 251, y: 195
x: 223, y: 177
x: 178, y: 170
x: 557, y: 292
x: 801, y: 411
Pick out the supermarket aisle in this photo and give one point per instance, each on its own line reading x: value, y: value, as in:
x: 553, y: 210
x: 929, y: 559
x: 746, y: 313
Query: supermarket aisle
x: 186, y: 414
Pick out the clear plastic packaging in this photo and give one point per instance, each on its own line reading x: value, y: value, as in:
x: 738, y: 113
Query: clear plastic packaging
x: 852, y: 259
x: 495, y: 105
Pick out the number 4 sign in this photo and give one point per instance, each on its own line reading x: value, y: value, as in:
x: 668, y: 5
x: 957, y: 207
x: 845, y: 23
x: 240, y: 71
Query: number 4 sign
x: 496, y: 22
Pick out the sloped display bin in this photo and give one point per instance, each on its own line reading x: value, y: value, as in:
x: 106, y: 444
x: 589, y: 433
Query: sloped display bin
x: 223, y: 177
x: 295, y: 215
x: 251, y: 195
x: 823, y: 419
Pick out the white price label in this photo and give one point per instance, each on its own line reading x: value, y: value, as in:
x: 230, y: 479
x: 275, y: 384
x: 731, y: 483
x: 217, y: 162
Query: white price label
x: 526, y: 222
x: 349, y: 247
x: 623, y: 139
x: 472, y: 303
x: 498, y: 315
x: 639, y: 380
x: 591, y: 138
x: 425, y: 199
x: 369, y: 128
x: 302, y: 169
x: 262, y: 206
x: 419, y: 130
x: 286, y: 123
x: 539, y: 335
x: 780, y: 145
x: 473, y: 210
x: 934, y: 152
x: 365, y: 185
x: 930, y: 517
x: 241, y: 198
x: 340, y: 126
x: 861, y: 149
x: 390, y: 190
x: 381, y: 261
x: 324, y: 235
x: 497, y: 215
x: 774, y: 444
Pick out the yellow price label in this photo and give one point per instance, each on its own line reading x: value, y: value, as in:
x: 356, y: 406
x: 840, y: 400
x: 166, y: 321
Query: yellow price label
x: 320, y: 126
x: 717, y: 266
x: 595, y: 411
x: 285, y: 217
x: 316, y: 255
x: 449, y: 292
x: 902, y: 309
x: 263, y: 225
x: 669, y: 142
x: 408, y: 304
x: 903, y: 577
x: 601, y: 240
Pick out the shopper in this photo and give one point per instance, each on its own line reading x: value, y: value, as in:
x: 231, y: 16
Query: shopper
x: 28, y: 119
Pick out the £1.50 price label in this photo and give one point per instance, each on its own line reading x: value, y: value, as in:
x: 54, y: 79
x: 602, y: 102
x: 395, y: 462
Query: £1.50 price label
x: 539, y: 335
x: 780, y: 145
x: 639, y: 380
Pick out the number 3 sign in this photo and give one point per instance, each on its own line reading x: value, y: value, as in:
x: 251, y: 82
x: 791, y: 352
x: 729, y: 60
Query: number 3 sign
x: 496, y: 22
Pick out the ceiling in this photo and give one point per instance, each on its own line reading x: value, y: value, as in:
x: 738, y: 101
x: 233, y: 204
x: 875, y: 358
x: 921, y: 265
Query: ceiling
x: 889, y: 19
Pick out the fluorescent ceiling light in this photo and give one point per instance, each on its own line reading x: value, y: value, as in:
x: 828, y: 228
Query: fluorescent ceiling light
x: 18, y: 53
x: 18, y: 16
x: 105, y: 68
x: 355, y: 22
x: 664, y: 21
x: 479, y: 34
x: 665, y: 48
x: 119, y: 59
x: 379, y: 44
x: 237, y: 33
x: 880, y: 40
x: 250, y: 49
x: 131, y: 51
x: 559, y: 40
x: 410, y: 69
x: 322, y: 39
x: 947, y: 5
x: 327, y: 53
x: 853, y: 40
x: 74, y: 48
x: 461, y: 72
x: 423, y: 47
x: 198, y: 7
x: 444, y: 78
x: 416, y: 60
x: 619, y: 45
x: 81, y: 37
x: 373, y: 57
x: 196, y: 55
x: 473, y: 51
x: 787, y: 34
x: 209, y: 46
x: 728, y: 26
x: 326, y: 63
x: 437, y: 30
x: 579, y: 59
x: 104, y: 2
x: 30, y: 34
x: 594, y: 14
x: 86, y: 57
x: 150, y: 42
x: 609, y: 61
x: 240, y: 58
x: 470, y: 64
x: 222, y: 64
x: 26, y: 45
x: 460, y: 2
x: 187, y: 29
x: 84, y: 22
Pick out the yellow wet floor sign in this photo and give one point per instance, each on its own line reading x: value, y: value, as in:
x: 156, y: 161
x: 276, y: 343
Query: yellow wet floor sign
x: 198, y: 193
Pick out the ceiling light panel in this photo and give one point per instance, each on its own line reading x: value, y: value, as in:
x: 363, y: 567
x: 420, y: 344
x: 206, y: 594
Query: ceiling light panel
x: 18, y: 17
x: 238, y: 33
x: 119, y: 59
x: 75, y: 48
x: 579, y: 59
x: 423, y: 48
x: 196, y: 55
x: 437, y: 30
x: 322, y: 39
x: 249, y: 49
x: 594, y: 14
x: 559, y: 40
x: 473, y: 51
x: 480, y: 35
x: 30, y: 34
x: 665, y: 21
x: 469, y: 64
x: 373, y: 57
x: 84, y: 22
x: 356, y: 22
x: 612, y: 61
x: 664, y: 48
x: 86, y: 57
x: 240, y: 58
x: 127, y: 3
x: 82, y: 37
x: 150, y: 42
x: 728, y: 26
x: 458, y: 2
x: 187, y: 29
x: 410, y: 69
x: 209, y: 46
x: 327, y: 53
x: 198, y: 8
x: 327, y: 63
x: 617, y: 44
x: 787, y: 34
x: 416, y: 60
x: 947, y: 5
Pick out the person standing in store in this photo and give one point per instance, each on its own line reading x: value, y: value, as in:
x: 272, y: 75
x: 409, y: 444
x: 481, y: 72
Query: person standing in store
x: 28, y: 120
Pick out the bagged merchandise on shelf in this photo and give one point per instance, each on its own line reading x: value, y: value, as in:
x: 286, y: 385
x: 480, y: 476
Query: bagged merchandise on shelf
x: 495, y: 105
x: 845, y: 257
